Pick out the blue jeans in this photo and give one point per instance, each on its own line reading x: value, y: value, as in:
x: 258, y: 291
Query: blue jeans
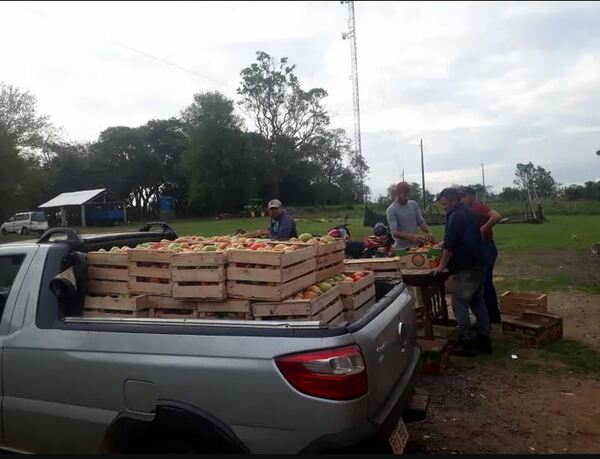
x: 490, y: 253
x: 468, y: 295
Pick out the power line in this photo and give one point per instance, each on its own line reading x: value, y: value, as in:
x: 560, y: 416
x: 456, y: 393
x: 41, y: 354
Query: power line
x: 130, y: 48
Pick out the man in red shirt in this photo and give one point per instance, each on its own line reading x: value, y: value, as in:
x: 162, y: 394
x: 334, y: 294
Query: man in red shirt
x: 488, y: 217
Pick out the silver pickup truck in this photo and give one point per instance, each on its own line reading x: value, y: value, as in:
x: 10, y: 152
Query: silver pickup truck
x: 75, y: 385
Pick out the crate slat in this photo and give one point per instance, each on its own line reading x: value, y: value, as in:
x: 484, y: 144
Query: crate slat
x: 163, y: 302
x: 217, y: 291
x: 514, y: 303
x: 359, y: 298
x: 350, y: 288
x: 150, y: 288
x: 331, y: 258
x: 239, y: 306
x: 150, y: 256
x: 295, y: 307
x: 277, y: 292
x: 200, y: 259
x: 107, y: 258
x: 330, y: 271
x: 271, y: 275
x: 213, y: 274
x: 135, y: 303
x: 96, y: 272
x: 280, y: 259
x: 143, y: 271
x: 100, y: 287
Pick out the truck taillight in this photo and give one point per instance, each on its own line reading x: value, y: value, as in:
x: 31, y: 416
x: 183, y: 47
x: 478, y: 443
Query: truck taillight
x: 335, y: 374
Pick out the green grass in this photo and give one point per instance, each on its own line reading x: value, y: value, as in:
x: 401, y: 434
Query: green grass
x: 556, y: 233
x: 548, y: 283
x: 561, y: 357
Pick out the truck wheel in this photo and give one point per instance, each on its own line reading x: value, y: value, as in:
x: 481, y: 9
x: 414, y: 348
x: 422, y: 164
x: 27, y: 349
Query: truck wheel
x: 24, y: 231
x: 4, y: 232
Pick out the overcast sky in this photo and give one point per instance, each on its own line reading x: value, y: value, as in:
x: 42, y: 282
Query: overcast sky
x: 493, y: 83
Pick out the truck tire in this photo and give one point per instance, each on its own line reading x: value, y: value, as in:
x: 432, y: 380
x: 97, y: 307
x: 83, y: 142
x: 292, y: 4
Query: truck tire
x: 24, y: 231
x: 4, y: 232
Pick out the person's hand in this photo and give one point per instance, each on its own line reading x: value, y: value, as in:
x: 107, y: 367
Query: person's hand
x: 429, y: 237
x: 437, y: 271
x: 417, y: 239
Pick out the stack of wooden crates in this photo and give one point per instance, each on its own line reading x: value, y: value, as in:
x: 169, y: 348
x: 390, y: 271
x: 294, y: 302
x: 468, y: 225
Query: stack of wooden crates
x: 235, y: 284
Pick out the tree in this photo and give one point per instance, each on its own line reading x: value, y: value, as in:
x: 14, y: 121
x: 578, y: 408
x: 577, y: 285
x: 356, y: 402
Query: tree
x: 510, y: 194
x: 326, y: 152
x: 138, y: 163
x: 12, y: 172
x: 536, y: 179
x: 272, y: 97
x: 361, y: 168
x: 19, y: 118
x: 218, y: 160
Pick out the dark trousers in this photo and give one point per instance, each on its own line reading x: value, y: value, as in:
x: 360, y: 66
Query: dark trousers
x: 489, y: 291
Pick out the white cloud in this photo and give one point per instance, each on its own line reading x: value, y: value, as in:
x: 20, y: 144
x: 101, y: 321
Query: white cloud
x: 497, y: 83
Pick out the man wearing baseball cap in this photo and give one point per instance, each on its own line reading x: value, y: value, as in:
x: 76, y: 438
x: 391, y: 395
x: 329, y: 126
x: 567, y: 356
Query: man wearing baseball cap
x: 404, y: 218
x: 282, y: 225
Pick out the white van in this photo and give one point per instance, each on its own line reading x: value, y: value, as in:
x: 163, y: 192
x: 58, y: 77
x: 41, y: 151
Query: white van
x: 24, y: 223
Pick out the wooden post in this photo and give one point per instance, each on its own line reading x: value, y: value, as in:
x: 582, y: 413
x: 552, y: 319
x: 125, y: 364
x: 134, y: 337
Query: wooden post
x: 83, y: 215
x: 63, y: 217
x: 124, y: 214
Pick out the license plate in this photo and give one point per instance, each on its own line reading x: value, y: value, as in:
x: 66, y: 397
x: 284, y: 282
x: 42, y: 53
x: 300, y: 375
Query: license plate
x: 398, y: 438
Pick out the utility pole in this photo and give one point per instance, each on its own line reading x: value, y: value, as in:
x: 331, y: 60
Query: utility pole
x: 423, y: 178
x: 403, y: 174
x: 351, y: 35
x: 483, y: 180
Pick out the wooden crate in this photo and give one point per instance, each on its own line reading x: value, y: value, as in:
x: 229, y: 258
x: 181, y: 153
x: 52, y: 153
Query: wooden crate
x: 330, y: 265
x: 514, y: 303
x: 436, y: 355
x: 111, y: 306
x: 272, y: 275
x: 359, y: 299
x: 355, y: 314
x: 150, y: 272
x: 334, y: 247
x: 533, y: 329
x: 318, y: 308
x: 229, y: 309
x: 200, y: 275
x: 108, y: 273
x: 164, y: 302
x: 384, y: 268
x: 350, y: 288
x: 171, y: 313
x: 418, y: 261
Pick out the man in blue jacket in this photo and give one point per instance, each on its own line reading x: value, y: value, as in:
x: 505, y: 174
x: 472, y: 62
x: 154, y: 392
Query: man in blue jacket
x: 463, y: 256
x: 282, y: 225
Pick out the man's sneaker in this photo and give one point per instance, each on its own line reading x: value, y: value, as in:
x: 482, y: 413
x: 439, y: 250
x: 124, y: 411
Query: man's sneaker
x: 484, y: 344
x: 465, y: 348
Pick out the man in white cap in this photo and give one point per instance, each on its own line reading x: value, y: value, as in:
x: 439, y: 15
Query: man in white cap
x: 282, y: 225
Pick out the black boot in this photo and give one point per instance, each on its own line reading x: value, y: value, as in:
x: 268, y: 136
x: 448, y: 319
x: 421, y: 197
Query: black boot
x: 484, y: 344
x: 465, y: 348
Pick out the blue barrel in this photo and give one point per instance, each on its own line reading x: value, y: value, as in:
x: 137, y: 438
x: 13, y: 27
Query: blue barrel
x: 166, y: 203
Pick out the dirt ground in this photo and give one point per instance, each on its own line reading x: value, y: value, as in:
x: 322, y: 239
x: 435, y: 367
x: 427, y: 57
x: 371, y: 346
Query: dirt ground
x: 491, y: 408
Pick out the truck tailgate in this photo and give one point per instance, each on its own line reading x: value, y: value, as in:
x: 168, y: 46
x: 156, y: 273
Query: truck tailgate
x: 387, y: 337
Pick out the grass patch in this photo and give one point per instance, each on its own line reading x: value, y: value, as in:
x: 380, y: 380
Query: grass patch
x: 547, y: 284
x: 561, y: 357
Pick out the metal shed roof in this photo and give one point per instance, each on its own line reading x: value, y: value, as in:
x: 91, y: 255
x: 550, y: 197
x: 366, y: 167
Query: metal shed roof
x: 75, y: 198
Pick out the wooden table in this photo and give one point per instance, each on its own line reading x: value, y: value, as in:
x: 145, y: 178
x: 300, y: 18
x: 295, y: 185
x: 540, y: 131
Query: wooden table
x: 433, y: 294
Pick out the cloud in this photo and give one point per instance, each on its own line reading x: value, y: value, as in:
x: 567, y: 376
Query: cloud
x: 493, y: 83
